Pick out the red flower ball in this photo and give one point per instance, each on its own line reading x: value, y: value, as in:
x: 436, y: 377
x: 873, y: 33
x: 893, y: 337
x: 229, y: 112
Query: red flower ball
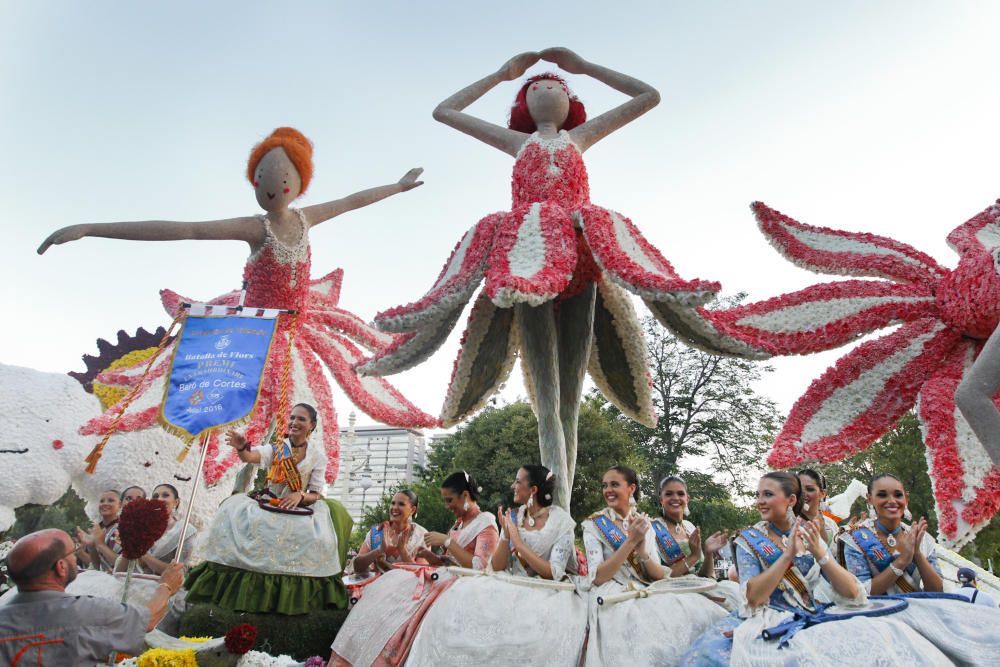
x: 241, y: 638
x: 141, y: 523
x: 57, y: 444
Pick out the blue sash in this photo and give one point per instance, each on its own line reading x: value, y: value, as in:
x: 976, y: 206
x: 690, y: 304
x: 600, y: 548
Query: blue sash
x: 376, y: 537
x: 769, y: 552
x: 874, y: 551
x: 669, y: 547
x: 611, y: 532
x: 762, y: 545
x: 616, y: 538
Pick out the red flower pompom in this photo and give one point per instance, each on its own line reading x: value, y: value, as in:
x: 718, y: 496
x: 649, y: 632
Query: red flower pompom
x: 141, y: 523
x: 240, y: 638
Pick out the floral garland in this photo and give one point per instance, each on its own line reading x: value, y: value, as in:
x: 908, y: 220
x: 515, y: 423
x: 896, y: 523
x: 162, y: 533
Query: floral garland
x: 946, y: 315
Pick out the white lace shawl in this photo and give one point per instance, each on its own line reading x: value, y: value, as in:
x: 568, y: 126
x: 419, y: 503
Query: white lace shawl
x: 554, y: 543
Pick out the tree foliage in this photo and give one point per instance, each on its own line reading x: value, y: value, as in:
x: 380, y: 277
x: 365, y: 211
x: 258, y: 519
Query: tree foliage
x: 708, y: 410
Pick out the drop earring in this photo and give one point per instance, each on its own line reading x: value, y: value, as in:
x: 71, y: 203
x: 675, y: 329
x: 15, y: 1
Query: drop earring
x: 805, y: 507
x: 907, y: 515
x: 531, y: 519
x: 687, y: 511
x: 465, y: 506
x: 871, y: 511
x: 790, y: 515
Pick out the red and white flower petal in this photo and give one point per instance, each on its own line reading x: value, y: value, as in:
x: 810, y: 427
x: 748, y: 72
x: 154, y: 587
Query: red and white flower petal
x: 373, y: 395
x: 533, y: 256
x: 409, y: 349
x: 696, y: 327
x: 313, y: 388
x: 632, y: 261
x: 485, y: 357
x: 858, y: 400
x: 825, y: 250
x: 618, y: 361
x: 454, y: 286
x: 981, y: 232
x: 351, y: 325
x: 172, y: 301
x: 325, y: 291
x: 962, y: 474
x: 825, y: 316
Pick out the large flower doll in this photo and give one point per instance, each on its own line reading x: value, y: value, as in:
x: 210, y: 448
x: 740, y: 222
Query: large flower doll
x: 554, y: 265
x: 277, y: 275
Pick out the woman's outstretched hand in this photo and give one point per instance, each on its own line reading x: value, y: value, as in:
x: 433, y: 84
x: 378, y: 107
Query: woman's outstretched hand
x: 566, y: 60
x: 409, y: 179
x: 64, y: 235
x: 519, y: 64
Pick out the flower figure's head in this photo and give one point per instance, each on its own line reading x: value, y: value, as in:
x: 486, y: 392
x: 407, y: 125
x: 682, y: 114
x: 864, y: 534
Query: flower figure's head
x: 280, y: 168
x: 545, y: 99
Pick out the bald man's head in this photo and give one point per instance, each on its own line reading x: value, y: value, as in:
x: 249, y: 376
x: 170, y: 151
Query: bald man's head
x: 33, y: 559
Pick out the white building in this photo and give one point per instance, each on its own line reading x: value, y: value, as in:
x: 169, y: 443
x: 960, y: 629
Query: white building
x: 374, y: 459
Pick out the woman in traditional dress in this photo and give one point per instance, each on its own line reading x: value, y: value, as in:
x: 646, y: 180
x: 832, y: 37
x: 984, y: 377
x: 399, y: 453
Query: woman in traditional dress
x: 785, y: 566
x: 890, y: 557
x: 164, y: 550
x: 102, y: 545
x: 678, y: 541
x: 382, y: 626
x: 814, y: 502
x: 397, y: 540
x: 267, y: 560
x: 537, y: 622
x: 315, y: 332
x: 622, y: 555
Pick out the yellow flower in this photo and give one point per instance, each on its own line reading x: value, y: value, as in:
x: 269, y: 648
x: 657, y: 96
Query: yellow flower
x: 162, y: 657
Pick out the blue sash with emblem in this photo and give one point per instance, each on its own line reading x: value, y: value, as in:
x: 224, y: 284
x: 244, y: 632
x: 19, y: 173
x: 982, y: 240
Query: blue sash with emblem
x: 616, y: 538
x: 875, y: 552
x: 669, y: 547
x: 769, y: 553
x: 375, y: 537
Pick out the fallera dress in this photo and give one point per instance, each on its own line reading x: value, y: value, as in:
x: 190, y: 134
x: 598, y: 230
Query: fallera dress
x: 259, y: 561
x: 860, y: 640
x: 381, y: 628
x: 656, y: 630
x: 494, y: 621
x: 967, y: 634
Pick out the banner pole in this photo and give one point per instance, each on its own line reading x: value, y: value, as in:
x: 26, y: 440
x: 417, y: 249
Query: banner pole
x: 194, y: 493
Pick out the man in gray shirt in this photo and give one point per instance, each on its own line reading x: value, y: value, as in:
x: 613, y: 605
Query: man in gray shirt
x: 43, y: 625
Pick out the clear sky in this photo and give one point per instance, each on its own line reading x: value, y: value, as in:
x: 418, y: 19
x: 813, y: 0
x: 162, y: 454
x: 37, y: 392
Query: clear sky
x: 865, y: 116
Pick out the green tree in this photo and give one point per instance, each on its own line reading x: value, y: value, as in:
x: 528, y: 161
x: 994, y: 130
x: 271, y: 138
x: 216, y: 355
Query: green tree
x: 66, y: 513
x: 497, y: 441
x: 708, y: 409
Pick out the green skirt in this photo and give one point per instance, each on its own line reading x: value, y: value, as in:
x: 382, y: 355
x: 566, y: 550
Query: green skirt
x: 242, y: 590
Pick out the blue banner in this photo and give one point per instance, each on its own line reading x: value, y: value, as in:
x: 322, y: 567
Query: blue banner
x: 215, y: 373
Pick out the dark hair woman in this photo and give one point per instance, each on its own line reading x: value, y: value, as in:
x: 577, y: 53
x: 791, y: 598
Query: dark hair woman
x: 397, y: 540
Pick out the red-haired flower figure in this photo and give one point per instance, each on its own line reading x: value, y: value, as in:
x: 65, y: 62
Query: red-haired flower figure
x: 554, y: 267
x: 277, y: 276
x: 946, y: 316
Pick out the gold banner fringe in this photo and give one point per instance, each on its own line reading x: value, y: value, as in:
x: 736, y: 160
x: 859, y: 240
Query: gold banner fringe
x: 95, y: 454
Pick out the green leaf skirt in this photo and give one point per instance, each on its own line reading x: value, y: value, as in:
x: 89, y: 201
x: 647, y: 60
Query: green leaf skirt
x: 257, y: 592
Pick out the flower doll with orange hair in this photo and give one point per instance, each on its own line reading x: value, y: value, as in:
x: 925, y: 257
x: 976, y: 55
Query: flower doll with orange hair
x: 277, y: 275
